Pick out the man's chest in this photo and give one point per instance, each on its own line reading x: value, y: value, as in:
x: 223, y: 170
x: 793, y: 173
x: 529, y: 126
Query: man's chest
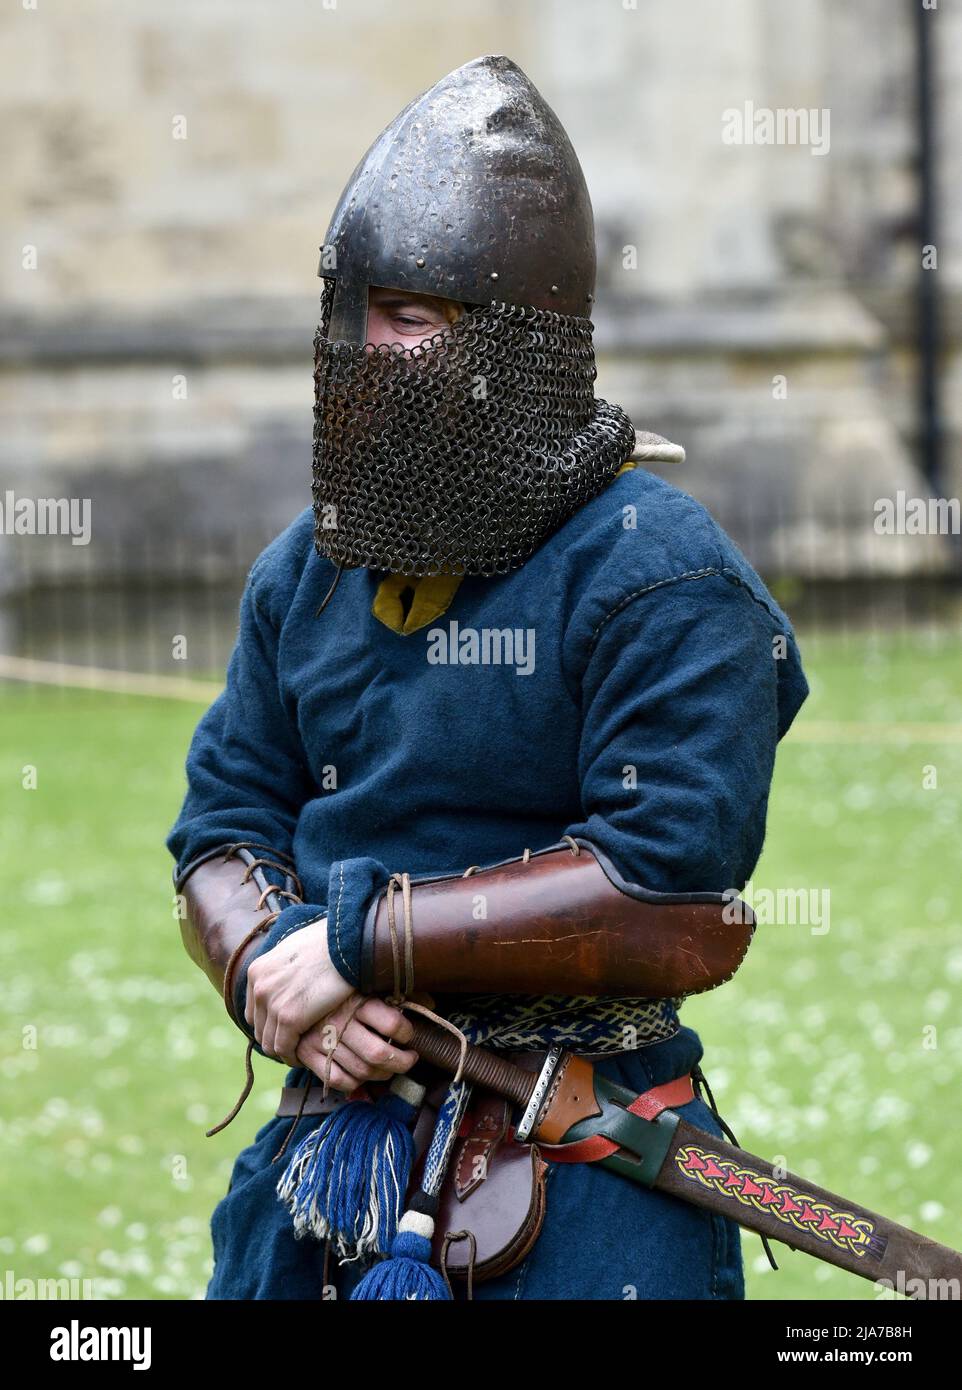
x: 478, y: 695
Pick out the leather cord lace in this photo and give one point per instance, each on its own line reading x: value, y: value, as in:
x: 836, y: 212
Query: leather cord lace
x: 330, y: 593
x: 230, y: 852
x: 236, y: 955
x: 404, y: 984
x: 449, y: 1239
x: 325, y: 1081
x: 297, y: 896
x: 526, y: 857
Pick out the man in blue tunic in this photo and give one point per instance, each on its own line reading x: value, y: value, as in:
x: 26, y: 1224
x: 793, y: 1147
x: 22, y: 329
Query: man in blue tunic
x: 495, y: 639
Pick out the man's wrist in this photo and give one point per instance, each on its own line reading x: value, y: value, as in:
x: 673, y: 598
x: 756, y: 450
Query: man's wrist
x: 293, y: 918
x: 352, y: 885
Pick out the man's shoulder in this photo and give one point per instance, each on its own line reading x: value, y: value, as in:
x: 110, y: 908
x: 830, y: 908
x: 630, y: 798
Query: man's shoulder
x: 646, y: 550
x: 660, y: 526
x: 641, y: 535
x: 642, y: 530
x: 281, y: 567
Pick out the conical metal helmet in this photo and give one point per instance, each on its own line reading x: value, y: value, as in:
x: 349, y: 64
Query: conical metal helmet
x: 473, y: 193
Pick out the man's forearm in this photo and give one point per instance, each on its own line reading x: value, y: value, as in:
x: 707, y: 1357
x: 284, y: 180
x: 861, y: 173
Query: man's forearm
x: 227, y: 904
x: 562, y: 921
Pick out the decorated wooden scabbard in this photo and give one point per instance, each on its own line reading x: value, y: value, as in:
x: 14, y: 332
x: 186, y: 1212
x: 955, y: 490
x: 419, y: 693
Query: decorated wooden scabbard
x: 568, y: 1102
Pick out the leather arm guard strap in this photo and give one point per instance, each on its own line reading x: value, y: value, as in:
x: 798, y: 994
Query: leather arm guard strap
x: 560, y: 921
x: 228, y: 902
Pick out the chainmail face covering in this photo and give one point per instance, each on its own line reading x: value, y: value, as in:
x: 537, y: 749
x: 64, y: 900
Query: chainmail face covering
x: 463, y: 454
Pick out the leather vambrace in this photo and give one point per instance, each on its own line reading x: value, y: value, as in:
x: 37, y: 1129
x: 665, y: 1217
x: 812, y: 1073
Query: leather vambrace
x: 559, y: 921
x: 227, y: 904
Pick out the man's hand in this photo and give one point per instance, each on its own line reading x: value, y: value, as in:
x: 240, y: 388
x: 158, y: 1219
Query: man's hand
x: 363, y: 1051
x: 292, y: 987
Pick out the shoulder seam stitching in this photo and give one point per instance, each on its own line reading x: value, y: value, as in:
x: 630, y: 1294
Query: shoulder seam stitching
x: 722, y: 571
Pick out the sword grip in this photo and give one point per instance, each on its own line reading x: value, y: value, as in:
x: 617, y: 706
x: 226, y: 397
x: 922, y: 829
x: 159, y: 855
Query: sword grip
x: 440, y: 1048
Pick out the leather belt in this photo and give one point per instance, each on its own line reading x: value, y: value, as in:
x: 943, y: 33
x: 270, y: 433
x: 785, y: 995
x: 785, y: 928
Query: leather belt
x: 317, y: 1104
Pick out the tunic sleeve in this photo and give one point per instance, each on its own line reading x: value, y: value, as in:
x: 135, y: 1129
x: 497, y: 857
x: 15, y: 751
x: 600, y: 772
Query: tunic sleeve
x: 687, y: 688
x: 247, y: 776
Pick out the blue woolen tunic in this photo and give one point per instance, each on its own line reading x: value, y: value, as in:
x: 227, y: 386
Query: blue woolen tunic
x: 628, y: 684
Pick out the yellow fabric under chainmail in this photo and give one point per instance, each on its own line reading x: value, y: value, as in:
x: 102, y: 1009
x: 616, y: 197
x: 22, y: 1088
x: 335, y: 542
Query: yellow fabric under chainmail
x: 431, y: 595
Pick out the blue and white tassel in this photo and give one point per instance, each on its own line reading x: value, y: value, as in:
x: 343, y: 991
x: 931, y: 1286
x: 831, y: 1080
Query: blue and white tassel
x: 347, y: 1179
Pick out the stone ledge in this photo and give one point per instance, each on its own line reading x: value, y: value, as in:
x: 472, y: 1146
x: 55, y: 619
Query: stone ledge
x: 270, y: 330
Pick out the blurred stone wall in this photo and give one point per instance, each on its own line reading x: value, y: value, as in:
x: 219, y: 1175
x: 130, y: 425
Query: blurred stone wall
x: 170, y: 174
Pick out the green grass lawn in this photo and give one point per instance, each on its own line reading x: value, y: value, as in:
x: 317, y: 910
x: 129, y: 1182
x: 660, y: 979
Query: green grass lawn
x: 839, y: 1051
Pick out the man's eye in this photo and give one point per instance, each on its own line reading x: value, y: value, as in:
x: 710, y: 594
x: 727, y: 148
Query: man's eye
x: 406, y: 322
